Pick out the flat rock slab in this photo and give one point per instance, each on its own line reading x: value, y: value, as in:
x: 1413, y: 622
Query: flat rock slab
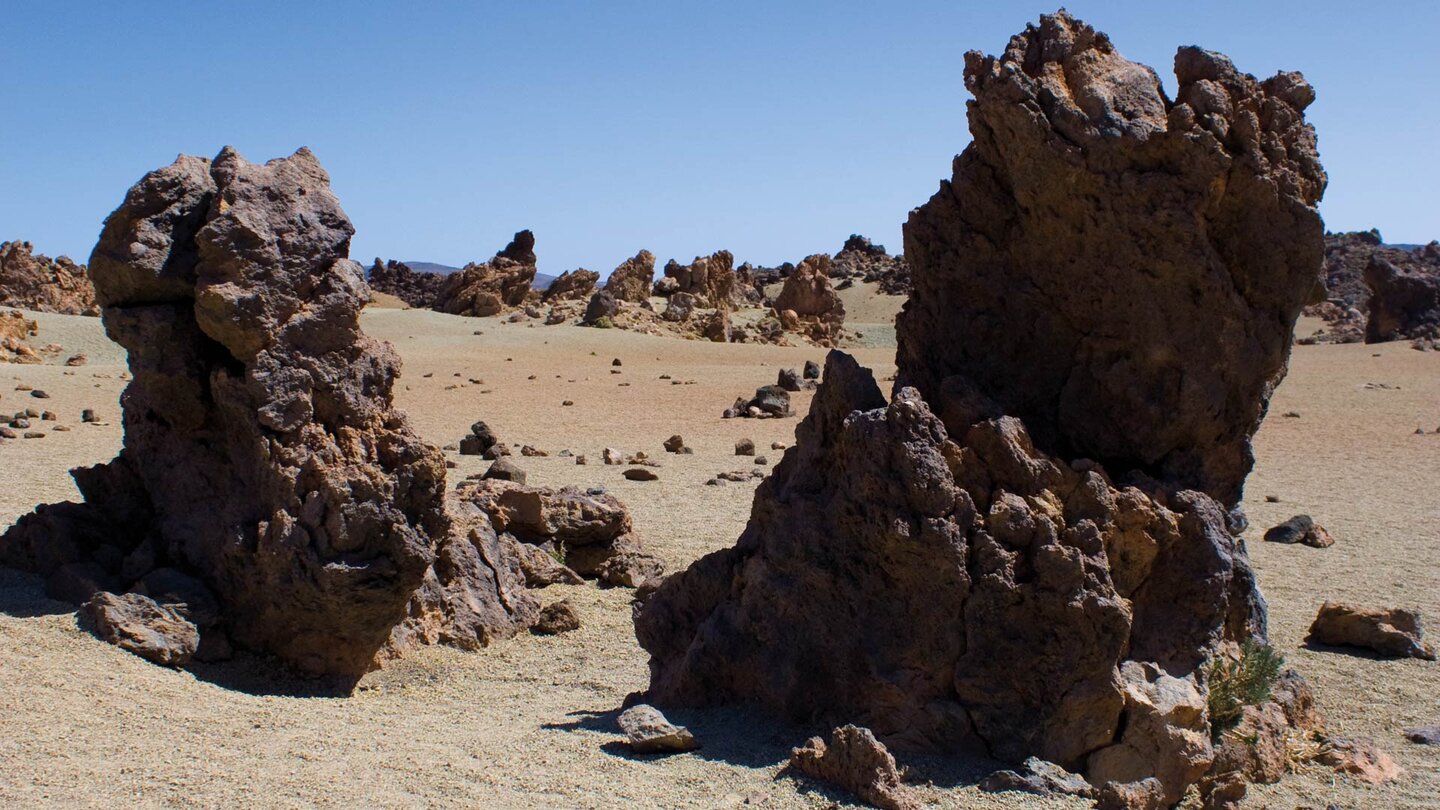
x: 650, y: 733
x: 1424, y: 735
x: 142, y: 626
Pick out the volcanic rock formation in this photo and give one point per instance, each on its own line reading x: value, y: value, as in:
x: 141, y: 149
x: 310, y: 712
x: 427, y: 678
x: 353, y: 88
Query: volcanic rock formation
x: 631, y: 281
x: 956, y: 578
x: 1347, y: 306
x: 16, y: 330
x: 711, y: 279
x: 1156, y: 252
x: 807, y: 303
x: 1404, y: 297
x: 39, y: 283
x: 862, y: 259
x: 481, y: 290
x: 572, y: 285
x: 263, y: 460
x: 418, y: 289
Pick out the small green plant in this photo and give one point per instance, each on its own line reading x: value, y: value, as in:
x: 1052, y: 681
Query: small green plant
x: 604, y: 322
x: 1239, y: 682
x: 558, y: 552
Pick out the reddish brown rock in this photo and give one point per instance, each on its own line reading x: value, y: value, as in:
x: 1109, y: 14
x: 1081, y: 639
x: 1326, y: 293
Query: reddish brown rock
x: 37, y: 282
x: 572, y: 285
x: 482, y: 290
x: 711, y: 279
x: 559, y: 617
x: 16, y: 330
x: 135, y: 622
x: 1120, y: 271
x: 1359, y: 757
x: 1300, y: 529
x: 263, y: 457
x: 862, y: 259
x: 818, y: 311
x: 416, y: 288
x: 631, y: 281
x: 855, y: 761
x: 1391, y: 632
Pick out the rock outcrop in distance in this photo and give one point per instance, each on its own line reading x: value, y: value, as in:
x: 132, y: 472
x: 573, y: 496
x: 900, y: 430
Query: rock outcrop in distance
x: 1405, y: 298
x: 632, y: 280
x: 16, y: 332
x: 1346, y: 306
x: 36, y: 282
x: 267, y: 485
x: 416, y: 288
x: 863, y: 260
x: 807, y: 304
x: 504, y: 282
x: 571, y: 285
x: 940, y: 570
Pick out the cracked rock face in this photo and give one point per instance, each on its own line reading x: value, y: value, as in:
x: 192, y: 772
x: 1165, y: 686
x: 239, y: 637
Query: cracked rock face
x: 631, y: 281
x: 482, y: 290
x: 263, y: 456
x: 39, y: 283
x: 1120, y: 270
x: 416, y: 288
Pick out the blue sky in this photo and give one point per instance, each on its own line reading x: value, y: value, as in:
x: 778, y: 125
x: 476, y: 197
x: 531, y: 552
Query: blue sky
x: 771, y: 129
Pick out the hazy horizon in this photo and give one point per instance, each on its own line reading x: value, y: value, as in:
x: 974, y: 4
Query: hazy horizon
x: 770, y: 132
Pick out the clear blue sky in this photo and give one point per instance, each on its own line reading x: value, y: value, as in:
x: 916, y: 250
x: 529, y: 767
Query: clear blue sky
x: 771, y: 129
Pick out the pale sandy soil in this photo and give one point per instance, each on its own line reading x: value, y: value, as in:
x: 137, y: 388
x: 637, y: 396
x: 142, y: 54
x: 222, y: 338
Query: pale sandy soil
x: 530, y: 722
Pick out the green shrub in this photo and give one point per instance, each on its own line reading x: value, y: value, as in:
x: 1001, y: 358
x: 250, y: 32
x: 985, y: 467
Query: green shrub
x: 1237, y: 683
x: 603, y: 322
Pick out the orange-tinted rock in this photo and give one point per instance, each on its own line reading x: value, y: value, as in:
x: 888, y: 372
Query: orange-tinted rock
x: 37, y: 282
x: 482, y: 290
x: 855, y: 761
x: 631, y: 281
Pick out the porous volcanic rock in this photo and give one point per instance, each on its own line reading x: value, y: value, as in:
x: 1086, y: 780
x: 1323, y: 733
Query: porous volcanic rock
x: 817, y: 307
x: 482, y: 290
x: 572, y: 285
x: 262, y: 454
x: 15, y: 333
x: 1390, y: 632
x: 857, y: 762
x: 37, y: 282
x: 1404, y: 298
x: 632, y: 280
x: 711, y: 279
x: 947, y: 580
x: 1300, y: 529
x: 1120, y: 271
x: 416, y: 288
x: 136, y: 623
x: 862, y: 259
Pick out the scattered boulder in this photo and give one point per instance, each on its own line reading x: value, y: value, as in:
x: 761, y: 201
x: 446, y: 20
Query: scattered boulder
x: 556, y: 618
x: 480, y: 440
x: 789, y: 379
x: 1040, y: 778
x: 676, y: 444
x: 745, y: 447
x: 15, y: 333
x: 603, y: 307
x: 135, y: 623
x: 1390, y: 632
x: 1228, y: 236
x: 858, y: 763
x: 1146, y: 794
x: 1300, y: 529
x: 320, y: 523
x: 812, y: 370
x: 1359, y: 757
x: 482, y: 290
x: 416, y: 288
x: 640, y: 474
x: 1424, y: 735
x: 41, y: 284
x: 648, y: 732
x: 631, y: 281
x: 505, y: 470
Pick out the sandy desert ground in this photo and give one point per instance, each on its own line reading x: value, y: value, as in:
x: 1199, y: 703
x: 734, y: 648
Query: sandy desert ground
x: 529, y: 723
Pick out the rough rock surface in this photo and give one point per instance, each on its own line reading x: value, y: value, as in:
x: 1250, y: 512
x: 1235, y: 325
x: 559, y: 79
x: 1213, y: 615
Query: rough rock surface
x: 1120, y: 271
x: 862, y: 259
x: 136, y: 623
x: 632, y: 280
x: 856, y: 761
x: 808, y: 300
x: 1404, y: 297
x: 416, y: 288
x: 1043, y: 603
x: 16, y: 330
x: 262, y: 454
x: 1039, y: 777
x: 39, y: 283
x: 482, y: 290
x: 648, y: 732
x: 572, y: 285
x: 1391, y: 632
x: 559, y: 617
x: 1359, y: 757
x: 711, y: 279
x: 592, y: 534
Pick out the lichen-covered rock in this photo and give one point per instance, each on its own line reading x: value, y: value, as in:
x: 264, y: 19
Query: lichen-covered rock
x: 416, y: 288
x: 482, y: 290
x: 1404, y: 297
x: 37, y: 282
x: 1120, y: 271
x: 572, y: 285
x: 857, y: 762
x: 262, y: 455
x: 631, y: 281
x: 1391, y: 632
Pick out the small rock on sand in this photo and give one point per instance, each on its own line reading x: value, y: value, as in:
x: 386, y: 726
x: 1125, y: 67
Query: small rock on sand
x: 650, y: 733
x: 557, y: 618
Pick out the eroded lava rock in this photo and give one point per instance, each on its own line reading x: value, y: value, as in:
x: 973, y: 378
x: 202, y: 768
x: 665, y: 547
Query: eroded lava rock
x: 482, y: 290
x: 262, y: 455
x: 1156, y: 252
x: 416, y: 288
x: 631, y: 281
x: 1404, y: 297
x: 37, y: 282
x: 809, y: 305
